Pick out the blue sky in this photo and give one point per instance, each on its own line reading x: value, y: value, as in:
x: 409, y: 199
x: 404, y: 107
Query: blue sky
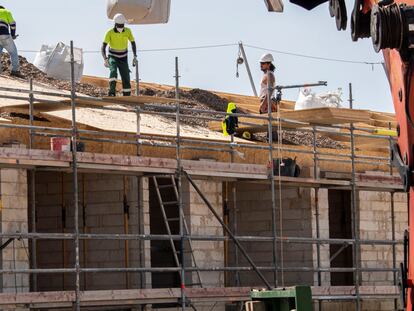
x: 198, y: 23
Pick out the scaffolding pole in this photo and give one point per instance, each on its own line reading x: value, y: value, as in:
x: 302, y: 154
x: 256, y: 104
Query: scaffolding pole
x: 75, y: 178
x: 179, y: 186
x: 355, y: 213
x: 271, y: 166
x: 317, y: 214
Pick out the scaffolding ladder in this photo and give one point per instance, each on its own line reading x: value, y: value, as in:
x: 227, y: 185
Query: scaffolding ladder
x: 171, y: 184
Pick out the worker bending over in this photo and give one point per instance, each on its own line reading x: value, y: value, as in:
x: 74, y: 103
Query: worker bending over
x: 7, y: 37
x: 266, y: 65
x: 117, y: 38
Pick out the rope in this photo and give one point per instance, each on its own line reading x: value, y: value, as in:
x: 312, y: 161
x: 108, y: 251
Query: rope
x: 213, y: 46
x: 338, y: 60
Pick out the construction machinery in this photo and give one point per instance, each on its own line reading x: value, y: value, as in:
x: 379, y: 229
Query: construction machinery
x: 298, y: 298
x: 390, y: 25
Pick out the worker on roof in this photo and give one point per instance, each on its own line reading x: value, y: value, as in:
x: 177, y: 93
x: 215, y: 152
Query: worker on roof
x: 266, y: 65
x: 7, y: 37
x: 117, y: 38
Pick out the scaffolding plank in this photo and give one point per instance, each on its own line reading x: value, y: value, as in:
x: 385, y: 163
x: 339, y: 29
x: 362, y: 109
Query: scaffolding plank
x: 168, y: 295
x: 324, y: 116
x: 142, y: 99
x: 122, y: 297
x: 350, y: 290
x: 91, y: 103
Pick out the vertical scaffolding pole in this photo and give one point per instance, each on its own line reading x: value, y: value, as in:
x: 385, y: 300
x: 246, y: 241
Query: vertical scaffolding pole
x: 393, y: 237
x: 138, y: 114
x: 179, y: 184
x: 354, y: 208
x: 137, y: 78
x: 32, y: 188
x: 31, y: 113
x: 138, y: 111
x: 272, y: 176
x: 141, y: 244
x: 75, y: 177
x: 317, y: 215
x: 85, y: 230
x: 235, y: 225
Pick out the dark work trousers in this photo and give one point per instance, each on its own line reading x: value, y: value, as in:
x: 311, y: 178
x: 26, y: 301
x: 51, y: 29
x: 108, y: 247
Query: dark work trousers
x: 120, y: 64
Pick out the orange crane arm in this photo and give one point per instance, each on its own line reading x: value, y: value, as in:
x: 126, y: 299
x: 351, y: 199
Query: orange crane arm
x: 390, y: 24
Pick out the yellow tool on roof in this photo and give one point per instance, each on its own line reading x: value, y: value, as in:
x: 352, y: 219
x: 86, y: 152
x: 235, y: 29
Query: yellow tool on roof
x: 385, y: 132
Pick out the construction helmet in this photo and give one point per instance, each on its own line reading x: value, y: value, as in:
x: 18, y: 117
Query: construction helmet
x: 267, y: 58
x: 120, y: 19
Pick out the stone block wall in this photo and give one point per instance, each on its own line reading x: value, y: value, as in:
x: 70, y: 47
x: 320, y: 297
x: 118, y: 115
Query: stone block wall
x: 101, y: 211
x: 375, y: 224
x: 201, y: 221
x: 14, y: 219
x: 253, y: 211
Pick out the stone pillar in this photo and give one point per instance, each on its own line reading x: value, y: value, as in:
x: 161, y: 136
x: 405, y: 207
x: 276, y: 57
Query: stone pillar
x: 14, y: 218
x: 202, y: 222
x: 146, y: 225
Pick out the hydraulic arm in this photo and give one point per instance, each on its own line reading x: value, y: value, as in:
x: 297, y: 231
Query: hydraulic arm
x: 390, y: 25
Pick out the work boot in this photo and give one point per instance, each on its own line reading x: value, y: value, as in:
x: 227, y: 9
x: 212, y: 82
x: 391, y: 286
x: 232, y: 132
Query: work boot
x: 111, y: 94
x: 16, y: 74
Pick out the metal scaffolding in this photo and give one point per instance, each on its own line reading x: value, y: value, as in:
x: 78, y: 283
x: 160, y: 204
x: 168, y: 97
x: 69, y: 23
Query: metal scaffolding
x: 180, y: 143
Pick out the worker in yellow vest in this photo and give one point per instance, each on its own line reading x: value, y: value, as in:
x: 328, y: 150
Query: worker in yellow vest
x: 7, y: 37
x: 117, y: 38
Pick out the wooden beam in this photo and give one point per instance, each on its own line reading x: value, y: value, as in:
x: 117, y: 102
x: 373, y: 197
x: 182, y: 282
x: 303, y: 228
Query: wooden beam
x: 328, y: 116
x: 16, y: 157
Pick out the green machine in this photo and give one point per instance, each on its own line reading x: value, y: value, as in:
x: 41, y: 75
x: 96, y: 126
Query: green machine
x: 298, y: 298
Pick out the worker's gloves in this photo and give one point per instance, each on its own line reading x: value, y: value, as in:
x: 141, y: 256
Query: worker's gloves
x: 135, y: 62
x: 106, y: 63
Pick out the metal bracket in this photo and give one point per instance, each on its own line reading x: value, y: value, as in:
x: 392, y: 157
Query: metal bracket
x: 403, y: 169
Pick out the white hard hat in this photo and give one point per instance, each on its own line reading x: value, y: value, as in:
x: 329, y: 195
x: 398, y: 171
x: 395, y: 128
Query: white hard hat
x: 120, y: 19
x: 267, y: 58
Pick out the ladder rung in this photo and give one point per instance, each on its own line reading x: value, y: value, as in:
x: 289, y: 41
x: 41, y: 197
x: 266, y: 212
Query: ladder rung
x: 185, y: 252
x: 165, y: 186
x: 170, y: 203
x: 163, y: 177
x: 173, y: 219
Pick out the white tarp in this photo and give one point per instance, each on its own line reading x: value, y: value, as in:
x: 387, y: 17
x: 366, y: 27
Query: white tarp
x: 308, y: 100
x: 140, y: 11
x: 55, y: 61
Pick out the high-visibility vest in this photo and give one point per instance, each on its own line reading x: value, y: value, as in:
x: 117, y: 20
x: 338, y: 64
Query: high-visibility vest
x: 7, y: 21
x: 118, y: 42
